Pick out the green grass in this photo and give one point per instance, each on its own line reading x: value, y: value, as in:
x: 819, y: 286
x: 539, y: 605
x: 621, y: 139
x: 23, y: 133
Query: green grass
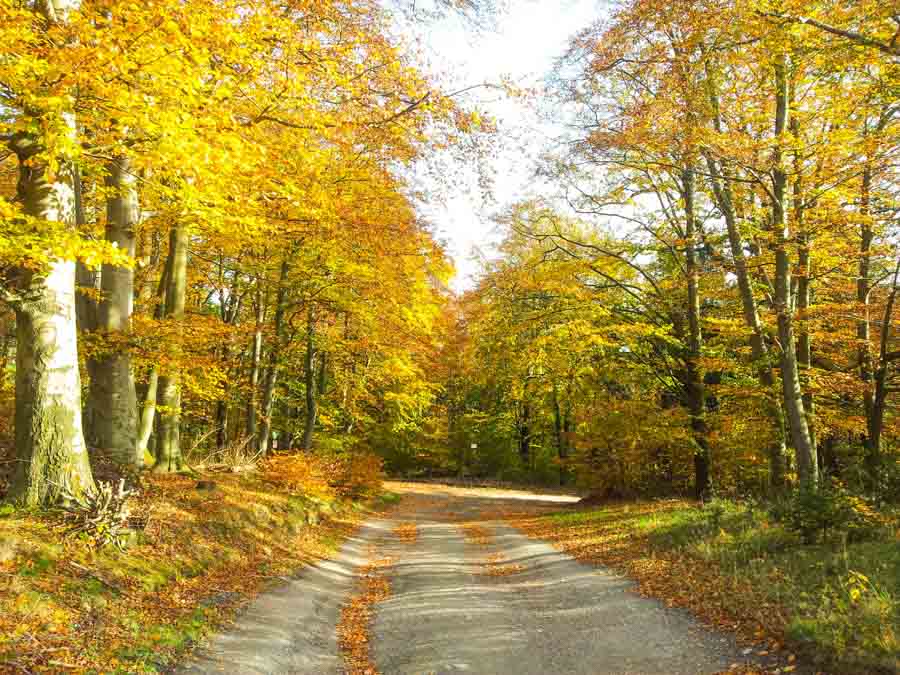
x: 388, y: 498
x: 144, y: 653
x: 841, y: 598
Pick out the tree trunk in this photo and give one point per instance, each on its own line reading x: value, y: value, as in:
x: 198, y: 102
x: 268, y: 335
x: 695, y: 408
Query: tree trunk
x: 804, y: 292
x: 525, y: 435
x: 148, y: 413
x: 309, y: 368
x: 168, y: 447
x: 724, y: 197
x: 147, y: 420
x: 87, y: 282
x: 696, y: 391
x: 804, y: 445
x: 863, y: 331
x: 112, y: 390
x: 221, y: 425
x: 271, y: 377
x: 255, y: 355
x: 879, y: 401
x: 560, y: 424
x: 50, y: 447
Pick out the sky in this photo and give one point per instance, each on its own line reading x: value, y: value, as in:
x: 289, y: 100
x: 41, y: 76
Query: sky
x: 528, y: 37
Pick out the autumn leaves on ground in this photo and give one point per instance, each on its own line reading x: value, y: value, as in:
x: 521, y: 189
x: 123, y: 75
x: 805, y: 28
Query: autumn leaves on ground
x: 225, y: 312
x: 201, y: 550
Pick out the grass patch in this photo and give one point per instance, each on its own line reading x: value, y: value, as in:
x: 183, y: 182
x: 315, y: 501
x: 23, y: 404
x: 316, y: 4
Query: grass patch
x: 66, y: 606
x: 387, y: 498
x: 734, y: 566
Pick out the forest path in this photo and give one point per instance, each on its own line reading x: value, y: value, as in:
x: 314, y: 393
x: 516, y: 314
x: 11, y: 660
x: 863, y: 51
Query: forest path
x: 473, y: 595
x: 468, y: 593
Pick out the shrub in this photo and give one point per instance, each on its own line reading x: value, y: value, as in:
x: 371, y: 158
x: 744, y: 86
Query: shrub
x: 298, y: 473
x: 887, y: 487
x: 854, y: 618
x: 830, y: 509
x: 353, y: 474
x: 356, y: 473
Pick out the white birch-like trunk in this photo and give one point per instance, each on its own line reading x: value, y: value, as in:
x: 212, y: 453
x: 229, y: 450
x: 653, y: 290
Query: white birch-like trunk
x: 50, y: 447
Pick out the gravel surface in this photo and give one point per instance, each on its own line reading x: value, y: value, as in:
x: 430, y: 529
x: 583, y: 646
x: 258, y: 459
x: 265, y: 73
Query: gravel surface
x: 546, y: 613
x: 291, y: 629
x: 496, y: 602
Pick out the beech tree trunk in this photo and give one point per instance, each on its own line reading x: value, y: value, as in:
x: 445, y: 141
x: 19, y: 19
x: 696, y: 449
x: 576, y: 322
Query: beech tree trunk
x: 561, y: 430
x: 168, y: 446
x: 525, y: 435
x: 696, y: 390
x: 50, y: 446
x: 804, y: 290
x: 804, y: 445
x: 147, y: 419
x: 87, y: 282
x: 271, y: 376
x: 759, y: 350
x: 312, y: 408
x: 112, y: 390
x: 147, y: 413
x: 255, y: 355
x: 875, y: 421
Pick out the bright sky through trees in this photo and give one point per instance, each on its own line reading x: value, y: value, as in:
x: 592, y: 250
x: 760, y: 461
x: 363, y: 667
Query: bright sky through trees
x: 529, y: 36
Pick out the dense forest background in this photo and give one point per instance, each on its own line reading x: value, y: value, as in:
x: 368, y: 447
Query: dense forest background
x: 211, y: 249
x: 225, y: 317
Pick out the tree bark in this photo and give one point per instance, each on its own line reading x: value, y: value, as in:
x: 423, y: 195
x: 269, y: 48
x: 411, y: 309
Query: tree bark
x: 863, y: 330
x: 309, y: 367
x: 804, y: 291
x: 147, y: 418
x: 804, y: 445
x: 875, y: 422
x: 560, y: 429
x: 255, y: 356
x: 525, y: 435
x: 759, y: 350
x: 696, y: 390
x: 50, y: 446
x: 112, y: 389
x: 271, y: 376
x: 87, y: 287
x: 168, y: 447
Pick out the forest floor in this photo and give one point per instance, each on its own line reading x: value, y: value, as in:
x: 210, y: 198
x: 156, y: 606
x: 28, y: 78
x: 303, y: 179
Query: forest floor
x: 438, y: 579
x: 444, y: 583
x: 203, y: 553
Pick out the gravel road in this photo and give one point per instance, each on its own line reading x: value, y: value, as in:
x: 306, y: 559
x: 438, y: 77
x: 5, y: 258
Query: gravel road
x: 468, y: 595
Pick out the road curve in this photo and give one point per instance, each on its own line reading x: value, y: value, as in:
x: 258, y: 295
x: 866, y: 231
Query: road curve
x: 469, y: 594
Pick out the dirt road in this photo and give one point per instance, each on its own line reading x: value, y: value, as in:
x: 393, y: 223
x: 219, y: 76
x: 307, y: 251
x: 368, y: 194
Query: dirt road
x: 467, y: 594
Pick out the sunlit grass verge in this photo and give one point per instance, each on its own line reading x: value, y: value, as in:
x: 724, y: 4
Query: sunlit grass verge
x: 836, y: 603
x: 65, y: 606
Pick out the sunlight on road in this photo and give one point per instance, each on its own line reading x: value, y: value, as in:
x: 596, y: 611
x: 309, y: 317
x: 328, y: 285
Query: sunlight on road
x: 437, y: 490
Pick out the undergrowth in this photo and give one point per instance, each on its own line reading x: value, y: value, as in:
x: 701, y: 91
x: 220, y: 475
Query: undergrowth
x: 66, y: 605
x: 752, y: 569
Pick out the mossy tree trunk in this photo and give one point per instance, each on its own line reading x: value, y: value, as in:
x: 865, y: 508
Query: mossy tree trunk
x: 112, y: 389
x: 168, y: 446
x: 50, y: 447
